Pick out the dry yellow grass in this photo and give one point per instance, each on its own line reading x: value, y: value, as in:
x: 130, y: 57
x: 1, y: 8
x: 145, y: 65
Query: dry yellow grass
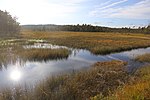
x: 137, y: 89
x: 140, y: 90
x: 143, y: 58
x: 43, y: 54
x: 11, y: 54
x: 96, y: 42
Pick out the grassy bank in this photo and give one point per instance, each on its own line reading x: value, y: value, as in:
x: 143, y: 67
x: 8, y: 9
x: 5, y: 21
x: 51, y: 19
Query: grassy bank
x: 12, y: 54
x: 144, y: 58
x: 102, y: 77
x: 139, y: 89
x: 43, y: 54
x: 96, y: 42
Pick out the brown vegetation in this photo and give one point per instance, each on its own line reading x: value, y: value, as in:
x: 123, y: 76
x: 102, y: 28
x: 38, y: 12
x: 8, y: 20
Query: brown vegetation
x: 143, y: 58
x: 97, y: 43
x: 10, y: 54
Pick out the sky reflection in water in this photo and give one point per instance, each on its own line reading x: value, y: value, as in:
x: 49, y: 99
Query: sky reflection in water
x: 30, y: 73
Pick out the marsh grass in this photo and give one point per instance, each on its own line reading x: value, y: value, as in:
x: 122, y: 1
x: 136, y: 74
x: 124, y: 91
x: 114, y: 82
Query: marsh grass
x: 138, y: 87
x: 102, y: 77
x: 104, y: 80
x: 96, y: 42
x: 11, y: 54
x: 143, y: 58
x: 43, y: 54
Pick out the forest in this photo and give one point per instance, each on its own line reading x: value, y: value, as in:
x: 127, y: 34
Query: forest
x: 84, y: 28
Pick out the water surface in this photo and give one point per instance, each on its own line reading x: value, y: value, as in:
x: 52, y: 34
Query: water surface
x: 32, y: 72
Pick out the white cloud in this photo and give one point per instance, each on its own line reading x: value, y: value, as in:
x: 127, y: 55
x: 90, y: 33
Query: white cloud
x: 140, y: 10
x: 113, y: 4
x: 40, y: 11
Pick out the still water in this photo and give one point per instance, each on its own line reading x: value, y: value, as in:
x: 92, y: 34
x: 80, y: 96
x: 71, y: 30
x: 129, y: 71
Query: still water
x: 33, y: 72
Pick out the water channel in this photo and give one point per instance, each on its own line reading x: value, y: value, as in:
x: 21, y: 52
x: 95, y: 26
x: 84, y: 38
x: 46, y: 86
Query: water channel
x: 33, y: 72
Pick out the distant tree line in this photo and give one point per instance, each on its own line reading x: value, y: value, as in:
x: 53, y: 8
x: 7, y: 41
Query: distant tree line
x: 84, y: 28
x: 8, y: 24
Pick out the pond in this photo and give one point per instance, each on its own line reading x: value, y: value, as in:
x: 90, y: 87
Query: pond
x: 33, y: 72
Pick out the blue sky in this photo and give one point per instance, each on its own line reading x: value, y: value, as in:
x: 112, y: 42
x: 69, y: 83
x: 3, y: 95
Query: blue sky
x: 114, y: 13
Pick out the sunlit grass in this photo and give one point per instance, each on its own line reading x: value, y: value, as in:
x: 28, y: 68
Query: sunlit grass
x: 43, y: 54
x: 10, y: 54
x: 138, y: 87
x: 96, y: 42
x: 144, y: 58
